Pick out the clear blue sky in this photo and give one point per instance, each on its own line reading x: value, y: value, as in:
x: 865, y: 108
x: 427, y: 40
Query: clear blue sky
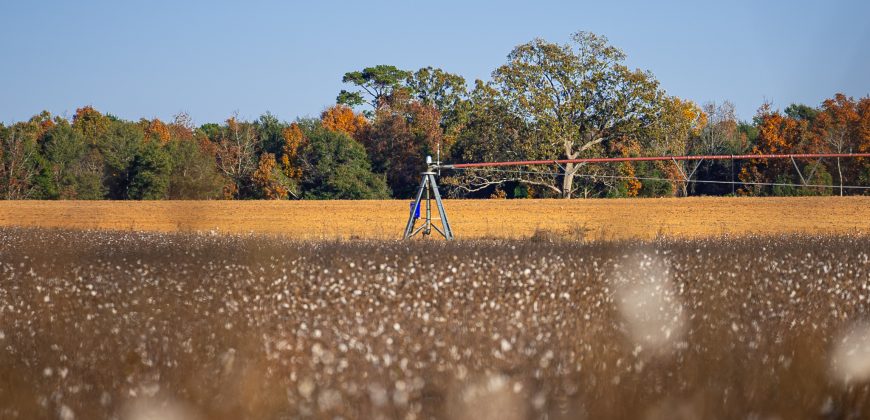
x: 213, y: 58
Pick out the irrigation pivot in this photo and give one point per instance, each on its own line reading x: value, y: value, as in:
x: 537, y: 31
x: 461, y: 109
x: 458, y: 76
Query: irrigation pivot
x: 430, y: 187
x: 654, y: 158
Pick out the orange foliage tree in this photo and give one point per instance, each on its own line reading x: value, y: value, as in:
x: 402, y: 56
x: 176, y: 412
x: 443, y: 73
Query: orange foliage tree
x: 627, y: 183
x: 91, y: 123
x: 182, y: 127
x: 776, y: 134
x: 156, y: 130
x: 341, y: 118
x: 294, y: 141
x: 267, y: 179
x: 404, y: 132
x: 41, y: 123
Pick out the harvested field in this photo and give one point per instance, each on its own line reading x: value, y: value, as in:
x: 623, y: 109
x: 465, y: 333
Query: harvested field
x: 574, y: 219
x: 134, y: 325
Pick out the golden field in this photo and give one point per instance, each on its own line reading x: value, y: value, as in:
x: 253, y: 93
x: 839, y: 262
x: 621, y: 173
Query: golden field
x: 590, y: 219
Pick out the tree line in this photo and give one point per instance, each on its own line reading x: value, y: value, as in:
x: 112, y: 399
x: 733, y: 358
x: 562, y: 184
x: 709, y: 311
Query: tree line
x: 548, y: 101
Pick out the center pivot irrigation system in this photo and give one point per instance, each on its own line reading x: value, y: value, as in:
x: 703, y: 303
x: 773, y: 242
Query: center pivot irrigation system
x: 429, y: 188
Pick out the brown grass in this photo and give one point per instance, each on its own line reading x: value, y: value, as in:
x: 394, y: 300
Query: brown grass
x: 591, y: 219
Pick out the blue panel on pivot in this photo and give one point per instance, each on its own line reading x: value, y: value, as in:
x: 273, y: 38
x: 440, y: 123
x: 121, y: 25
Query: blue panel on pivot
x: 415, y: 211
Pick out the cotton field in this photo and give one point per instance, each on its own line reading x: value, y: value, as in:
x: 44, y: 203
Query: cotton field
x: 130, y: 325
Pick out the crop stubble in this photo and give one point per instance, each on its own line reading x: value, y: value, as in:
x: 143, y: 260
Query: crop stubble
x: 575, y: 219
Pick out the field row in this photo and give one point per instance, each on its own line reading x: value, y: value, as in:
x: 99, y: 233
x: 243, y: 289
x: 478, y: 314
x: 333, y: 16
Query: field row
x: 576, y: 219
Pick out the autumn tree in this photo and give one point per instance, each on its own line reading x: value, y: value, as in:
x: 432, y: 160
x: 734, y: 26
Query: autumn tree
x: 91, y: 123
x: 777, y: 134
x: 625, y: 183
x: 156, y: 131
x: 341, y: 118
x: 294, y: 143
x: 404, y: 132
x: 403, y: 107
x: 269, y: 182
x: 40, y: 124
x: 182, y: 127
x: 772, y: 127
x: 430, y: 86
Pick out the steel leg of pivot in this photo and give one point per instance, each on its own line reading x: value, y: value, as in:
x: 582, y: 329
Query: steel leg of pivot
x: 409, y: 228
x: 429, y: 186
x: 447, y: 233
